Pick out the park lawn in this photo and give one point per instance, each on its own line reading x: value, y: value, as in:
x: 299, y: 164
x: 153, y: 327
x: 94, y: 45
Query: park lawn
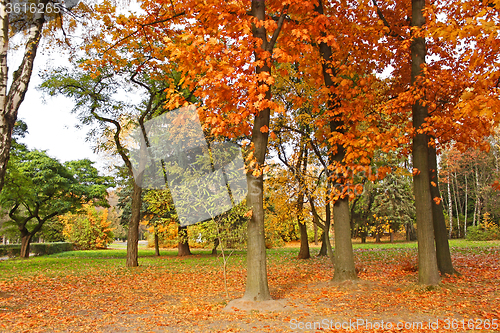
x: 92, y: 291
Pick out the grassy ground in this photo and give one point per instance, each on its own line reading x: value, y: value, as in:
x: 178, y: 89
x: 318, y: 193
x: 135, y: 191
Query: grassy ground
x: 93, y: 291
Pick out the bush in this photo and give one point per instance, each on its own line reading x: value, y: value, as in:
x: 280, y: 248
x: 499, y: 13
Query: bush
x: 485, y: 231
x: 50, y: 248
x: 13, y: 250
x: 479, y: 234
x: 10, y: 250
x: 88, y: 230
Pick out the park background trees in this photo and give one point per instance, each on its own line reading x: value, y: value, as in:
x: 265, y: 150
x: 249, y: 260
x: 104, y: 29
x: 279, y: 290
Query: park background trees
x: 38, y: 188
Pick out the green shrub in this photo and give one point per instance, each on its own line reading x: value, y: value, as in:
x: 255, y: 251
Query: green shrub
x: 50, y: 248
x: 10, y: 250
x: 479, y: 234
x: 13, y: 250
x: 485, y: 231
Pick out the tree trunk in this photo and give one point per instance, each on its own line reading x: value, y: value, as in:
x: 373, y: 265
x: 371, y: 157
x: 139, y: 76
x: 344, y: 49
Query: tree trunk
x: 377, y: 237
x: 183, y: 246
x: 157, y: 245
x: 133, y: 228
x: 300, y: 169
x: 457, y: 204
x: 25, y: 244
x: 257, y: 288
x: 478, y: 198
x: 428, y: 273
x: 450, y: 206
x: 10, y: 102
x: 328, y: 223
x: 304, y: 242
x: 466, y: 207
x: 315, y: 226
x: 344, y: 258
x: 443, y: 255
x: 392, y: 237
x: 216, y: 243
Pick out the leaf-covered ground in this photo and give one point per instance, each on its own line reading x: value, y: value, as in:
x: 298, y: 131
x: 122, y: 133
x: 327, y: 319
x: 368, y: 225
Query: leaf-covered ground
x: 93, y: 292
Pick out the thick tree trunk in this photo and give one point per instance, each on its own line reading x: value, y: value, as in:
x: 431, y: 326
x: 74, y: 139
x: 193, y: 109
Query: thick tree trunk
x: 377, y: 237
x: 183, y: 246
x: 133, y: 228
x: 440, y: 233
x: 25, y: 245
x: 344, y: 257
x: 157, y: 245
x: 428, y: 273
x: 257, y: 287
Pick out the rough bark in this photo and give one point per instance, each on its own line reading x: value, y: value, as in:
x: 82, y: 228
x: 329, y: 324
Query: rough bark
x: 183, y: 245
x: 257, y: 288
x: 344, y: 256
x: 428, y: 273
x: 133, y: 228
x: 443, y: 255
x: 10, y: 102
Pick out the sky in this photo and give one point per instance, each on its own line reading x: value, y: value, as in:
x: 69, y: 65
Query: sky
x: 51, y: 125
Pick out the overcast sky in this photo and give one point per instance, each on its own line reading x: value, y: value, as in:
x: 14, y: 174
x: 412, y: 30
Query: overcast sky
x: 51, y: 125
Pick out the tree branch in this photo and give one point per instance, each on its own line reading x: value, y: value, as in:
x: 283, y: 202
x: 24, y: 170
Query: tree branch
x: 386, y: 23
x: 276, y: 33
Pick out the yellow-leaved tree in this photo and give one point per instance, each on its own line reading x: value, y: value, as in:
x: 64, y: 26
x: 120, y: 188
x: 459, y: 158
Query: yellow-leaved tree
x: 88, y: 229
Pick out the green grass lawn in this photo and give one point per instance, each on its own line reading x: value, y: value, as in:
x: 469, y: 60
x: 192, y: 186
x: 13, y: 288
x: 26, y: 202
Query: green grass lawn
x: 113, y: 260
